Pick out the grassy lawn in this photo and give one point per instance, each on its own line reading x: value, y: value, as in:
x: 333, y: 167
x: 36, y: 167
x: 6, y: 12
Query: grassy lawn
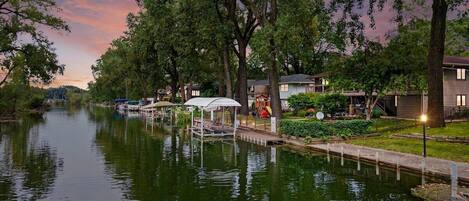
x: 450, y: 151
x: 383, y: 125
x: 459, y: 129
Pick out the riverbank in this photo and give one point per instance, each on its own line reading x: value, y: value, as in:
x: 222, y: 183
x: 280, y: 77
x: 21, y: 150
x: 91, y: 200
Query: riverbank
x: 430, y: 166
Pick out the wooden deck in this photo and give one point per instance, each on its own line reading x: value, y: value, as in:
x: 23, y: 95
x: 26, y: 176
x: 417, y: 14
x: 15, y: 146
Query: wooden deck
x: 257, y: 138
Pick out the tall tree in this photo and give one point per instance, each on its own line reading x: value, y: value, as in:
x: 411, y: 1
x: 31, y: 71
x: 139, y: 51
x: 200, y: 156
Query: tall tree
x: 244, y: 24
x: 436, y: 48
x: 35, y: 57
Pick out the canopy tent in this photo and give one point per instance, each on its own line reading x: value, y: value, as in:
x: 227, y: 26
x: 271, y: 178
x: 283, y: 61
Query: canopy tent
x: 211, y: 104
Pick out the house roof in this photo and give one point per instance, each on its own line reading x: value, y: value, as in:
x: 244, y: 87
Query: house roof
x: 455, y: 61
x: 295, y: 78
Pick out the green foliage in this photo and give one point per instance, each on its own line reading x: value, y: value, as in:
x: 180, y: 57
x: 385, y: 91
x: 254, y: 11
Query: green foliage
x: 352, y: 127
x: 331, y: 103
x: 319, y: 129
x: 308, y: 140
x: 301, y: 101
x: 18, y: 97
x: 35, y: 56
x: 182, y: 117
x: 377, y: 113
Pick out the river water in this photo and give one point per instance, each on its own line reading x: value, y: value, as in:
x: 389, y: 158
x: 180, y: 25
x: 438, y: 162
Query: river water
x: 96, y: 154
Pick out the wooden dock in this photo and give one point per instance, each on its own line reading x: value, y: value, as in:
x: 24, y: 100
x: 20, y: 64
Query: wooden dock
x: 257, y: 138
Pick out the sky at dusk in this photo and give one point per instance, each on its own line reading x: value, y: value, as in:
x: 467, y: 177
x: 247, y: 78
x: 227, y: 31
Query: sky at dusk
x: 95, y: 23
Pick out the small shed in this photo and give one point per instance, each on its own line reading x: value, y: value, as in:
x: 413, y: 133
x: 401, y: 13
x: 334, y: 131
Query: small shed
x: 212, y: 104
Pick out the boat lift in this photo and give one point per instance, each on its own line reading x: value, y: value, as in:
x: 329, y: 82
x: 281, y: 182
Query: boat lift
x: 203, y: 128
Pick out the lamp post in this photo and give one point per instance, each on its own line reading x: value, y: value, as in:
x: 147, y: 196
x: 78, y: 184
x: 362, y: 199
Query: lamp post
x: 423, y: 119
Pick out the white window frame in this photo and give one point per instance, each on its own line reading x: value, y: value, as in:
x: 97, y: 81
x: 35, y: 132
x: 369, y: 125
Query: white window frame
x: 195, y: 92
x: 324, y: 82
x: 461, y: 100
x: 284, y: 87
x: 460, y: 74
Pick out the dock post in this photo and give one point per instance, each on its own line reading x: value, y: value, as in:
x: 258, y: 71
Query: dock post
x: 398, y: 169
x: 454, y: 181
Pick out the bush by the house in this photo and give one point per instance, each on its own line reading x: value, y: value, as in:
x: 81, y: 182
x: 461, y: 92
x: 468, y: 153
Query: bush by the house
x: 331, y: 103
x: 376, y: 113
x: 356, y: 126
x: 301, y: 101
x: 315, y: 129
x: 319, y: 129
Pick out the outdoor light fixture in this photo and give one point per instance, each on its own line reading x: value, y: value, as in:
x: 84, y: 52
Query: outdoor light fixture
x: 423, y: 119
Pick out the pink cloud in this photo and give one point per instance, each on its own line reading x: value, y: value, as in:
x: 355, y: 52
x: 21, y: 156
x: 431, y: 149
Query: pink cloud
x: 94, y: 24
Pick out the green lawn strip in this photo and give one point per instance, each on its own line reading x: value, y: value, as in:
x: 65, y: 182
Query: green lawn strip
x: 383, y: 125
x: 450, y: 151
x: 459, y: 129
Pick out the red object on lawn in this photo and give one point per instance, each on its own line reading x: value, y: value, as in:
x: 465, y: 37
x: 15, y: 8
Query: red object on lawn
x: 264, y: 114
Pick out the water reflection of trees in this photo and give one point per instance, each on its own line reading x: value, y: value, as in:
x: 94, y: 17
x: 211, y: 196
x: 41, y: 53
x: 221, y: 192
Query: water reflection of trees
x: 158, y: 164
x: 28, y: 165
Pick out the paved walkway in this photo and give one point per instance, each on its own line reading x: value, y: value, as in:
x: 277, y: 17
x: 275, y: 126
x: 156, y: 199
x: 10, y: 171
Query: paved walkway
x: 410, y: 161
x: 433, y: 166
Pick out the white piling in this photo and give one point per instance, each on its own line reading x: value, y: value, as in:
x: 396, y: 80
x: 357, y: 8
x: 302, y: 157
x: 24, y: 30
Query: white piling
x: 454, y: 180
x: 377, y: 158
x: 398, y: 169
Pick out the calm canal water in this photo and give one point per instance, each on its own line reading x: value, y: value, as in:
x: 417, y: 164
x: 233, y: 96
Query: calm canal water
x: 95, y: 154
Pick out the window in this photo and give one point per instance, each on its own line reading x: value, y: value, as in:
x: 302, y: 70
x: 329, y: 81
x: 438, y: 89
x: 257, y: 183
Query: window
x: 284, y: 87
x: 461, y: 100
x: 195, y: 93
x: 460, y: 74
x: 324, y: 82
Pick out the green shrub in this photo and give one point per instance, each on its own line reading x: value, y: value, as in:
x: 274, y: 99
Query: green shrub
x: 305, y: 128
x: 356, y: 126
x: 376, y: 113
x: 331, y: 103
x: 301, y: 101
x: 308, y: 140
x: 301, y: 113
x: 320, y: 129
x: 183, y: 117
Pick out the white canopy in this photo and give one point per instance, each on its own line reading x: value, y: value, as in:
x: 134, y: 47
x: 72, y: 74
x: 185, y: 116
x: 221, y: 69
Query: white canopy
x: 212, y: 102
x: 159, y: 104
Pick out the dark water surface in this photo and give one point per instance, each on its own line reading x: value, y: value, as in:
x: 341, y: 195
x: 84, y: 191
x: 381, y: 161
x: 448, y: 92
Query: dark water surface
x: 94, y: 154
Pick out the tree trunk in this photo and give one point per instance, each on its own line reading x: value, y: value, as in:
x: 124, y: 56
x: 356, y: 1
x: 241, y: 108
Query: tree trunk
x: 189, y: 90
x: 242, y: 79
x: 435, y: 64
x: 273, y: 82
x: 174, y: 90
x: 227, y: 71
x: 182, y: 89
x: 221, y: 83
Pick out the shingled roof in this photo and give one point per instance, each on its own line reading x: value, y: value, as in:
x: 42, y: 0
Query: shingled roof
x: 295, y: 78
x: 455, y: 61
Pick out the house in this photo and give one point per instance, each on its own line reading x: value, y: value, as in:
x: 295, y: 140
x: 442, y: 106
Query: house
x: 414, y: 103
x: 455, y: 91
x: 288, y: 85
